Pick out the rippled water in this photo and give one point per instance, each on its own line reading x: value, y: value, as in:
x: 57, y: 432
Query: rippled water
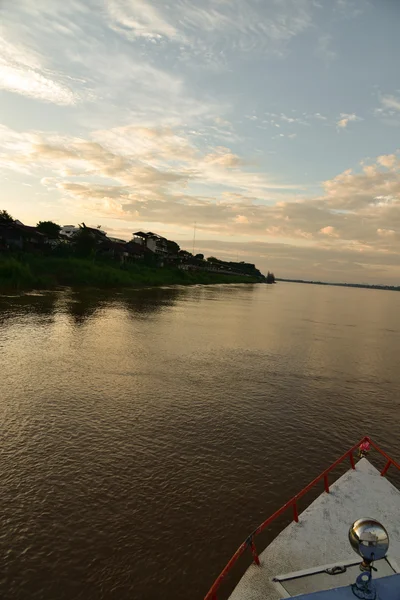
x: 145, y: 434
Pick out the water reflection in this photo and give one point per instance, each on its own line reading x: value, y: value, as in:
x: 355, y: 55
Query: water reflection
x: 84, y: 305
x: 150, y: 301
x: 145, y: 433
x: 20, y: 306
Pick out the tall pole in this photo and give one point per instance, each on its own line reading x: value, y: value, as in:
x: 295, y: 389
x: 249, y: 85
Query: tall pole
x: 194, y: 236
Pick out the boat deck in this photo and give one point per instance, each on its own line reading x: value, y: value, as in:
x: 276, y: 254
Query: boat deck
x: 387, y: 588
x: 321, y: 536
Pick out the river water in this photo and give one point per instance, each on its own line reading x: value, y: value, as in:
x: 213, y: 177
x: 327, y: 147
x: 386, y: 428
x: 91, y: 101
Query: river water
x: 145, y: 434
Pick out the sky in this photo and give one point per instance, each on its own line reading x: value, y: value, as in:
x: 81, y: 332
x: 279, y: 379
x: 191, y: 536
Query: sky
x: 270, y: 128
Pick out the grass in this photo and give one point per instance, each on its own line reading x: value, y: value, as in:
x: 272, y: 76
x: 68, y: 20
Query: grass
x: 46, y: 272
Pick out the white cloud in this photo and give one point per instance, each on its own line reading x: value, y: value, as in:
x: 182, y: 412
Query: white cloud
x: 329, y: 230
x: 391, y: 102
x: 386, y: 232
x: 324, y: 263
x: 361, y: 191
x: 159, y: 175
x: 346, y: 118
x: 21, y: 72
x: 241, y: 219
x: 223, y: 157
x: 288, y: 119
x: 141, y: 18
x: 388, y: 160
x: 148, y: 163
x: 293, y: 118
x: 202, y: 29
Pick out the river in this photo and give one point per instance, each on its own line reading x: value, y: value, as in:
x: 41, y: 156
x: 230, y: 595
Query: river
x: 146, y: 433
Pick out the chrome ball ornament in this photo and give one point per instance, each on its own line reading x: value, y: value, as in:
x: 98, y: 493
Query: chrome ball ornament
x: 369, y: 539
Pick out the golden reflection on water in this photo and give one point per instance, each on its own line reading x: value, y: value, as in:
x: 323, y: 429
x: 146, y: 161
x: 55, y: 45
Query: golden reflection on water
x: 146, y: 433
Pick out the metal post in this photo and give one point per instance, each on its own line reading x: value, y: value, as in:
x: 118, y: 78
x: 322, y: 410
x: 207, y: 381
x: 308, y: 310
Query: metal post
x: 326, y: 483
x: 353, y: 466
x: 295, y: 513
x: 254, y: 552
x: 386, y: 467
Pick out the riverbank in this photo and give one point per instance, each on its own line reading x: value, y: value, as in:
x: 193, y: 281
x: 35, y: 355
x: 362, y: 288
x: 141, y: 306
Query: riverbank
x: 40, y: 272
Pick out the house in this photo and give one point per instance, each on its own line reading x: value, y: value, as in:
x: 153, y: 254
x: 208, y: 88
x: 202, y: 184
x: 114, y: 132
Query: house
x: 96, y: 232
x: 136, y: 251
x: 110, y: 249
x: 16, y: 235
x: 117, y: 240
x: 153, y: 242
x: 68, y: 231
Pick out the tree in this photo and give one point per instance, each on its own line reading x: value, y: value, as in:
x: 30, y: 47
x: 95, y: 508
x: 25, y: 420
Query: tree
x: 5, y: 217
x: 85, y: 242
x: 270, y: 278
x: 172, y: 247
x: 49, y: 228
x: 200, y: 256
x: 212, y: 259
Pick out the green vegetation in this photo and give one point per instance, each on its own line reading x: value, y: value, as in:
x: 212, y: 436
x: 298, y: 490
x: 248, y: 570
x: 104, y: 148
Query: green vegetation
x: 52, y: 230
x: 5, y: 217
x: 26, y: 271
x: 46, y: 256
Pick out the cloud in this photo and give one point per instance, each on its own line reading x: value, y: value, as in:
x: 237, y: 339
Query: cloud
x: 387, y: 160
x: 166, y: 142
x: 70, y: 57
x: 21, y: 72
x: 292, y: 119
x: 319, y: 116
x: 241, y: 219
x: 224, y: 157
x: 346, y: 118
x: 156, y: 175
x: 203, y: 30
x: 391, y: 102
x: 288, y: 119
x: 386, y: 232
x: 363, y: 191
x: 39, y: 43
x: 329, y: 230
x: 331, y: 263
x: 141, y: 18
x: 389, y: 110
x: 151, y: 161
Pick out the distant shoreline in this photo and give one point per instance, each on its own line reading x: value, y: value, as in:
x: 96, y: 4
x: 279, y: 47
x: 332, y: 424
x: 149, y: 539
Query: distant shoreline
x: 366, y: 286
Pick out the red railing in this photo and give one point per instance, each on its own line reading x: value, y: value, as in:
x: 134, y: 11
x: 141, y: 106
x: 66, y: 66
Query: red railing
x: 250, y: 543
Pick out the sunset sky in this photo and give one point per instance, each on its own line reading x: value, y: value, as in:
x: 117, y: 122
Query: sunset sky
x: 274, y: 125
